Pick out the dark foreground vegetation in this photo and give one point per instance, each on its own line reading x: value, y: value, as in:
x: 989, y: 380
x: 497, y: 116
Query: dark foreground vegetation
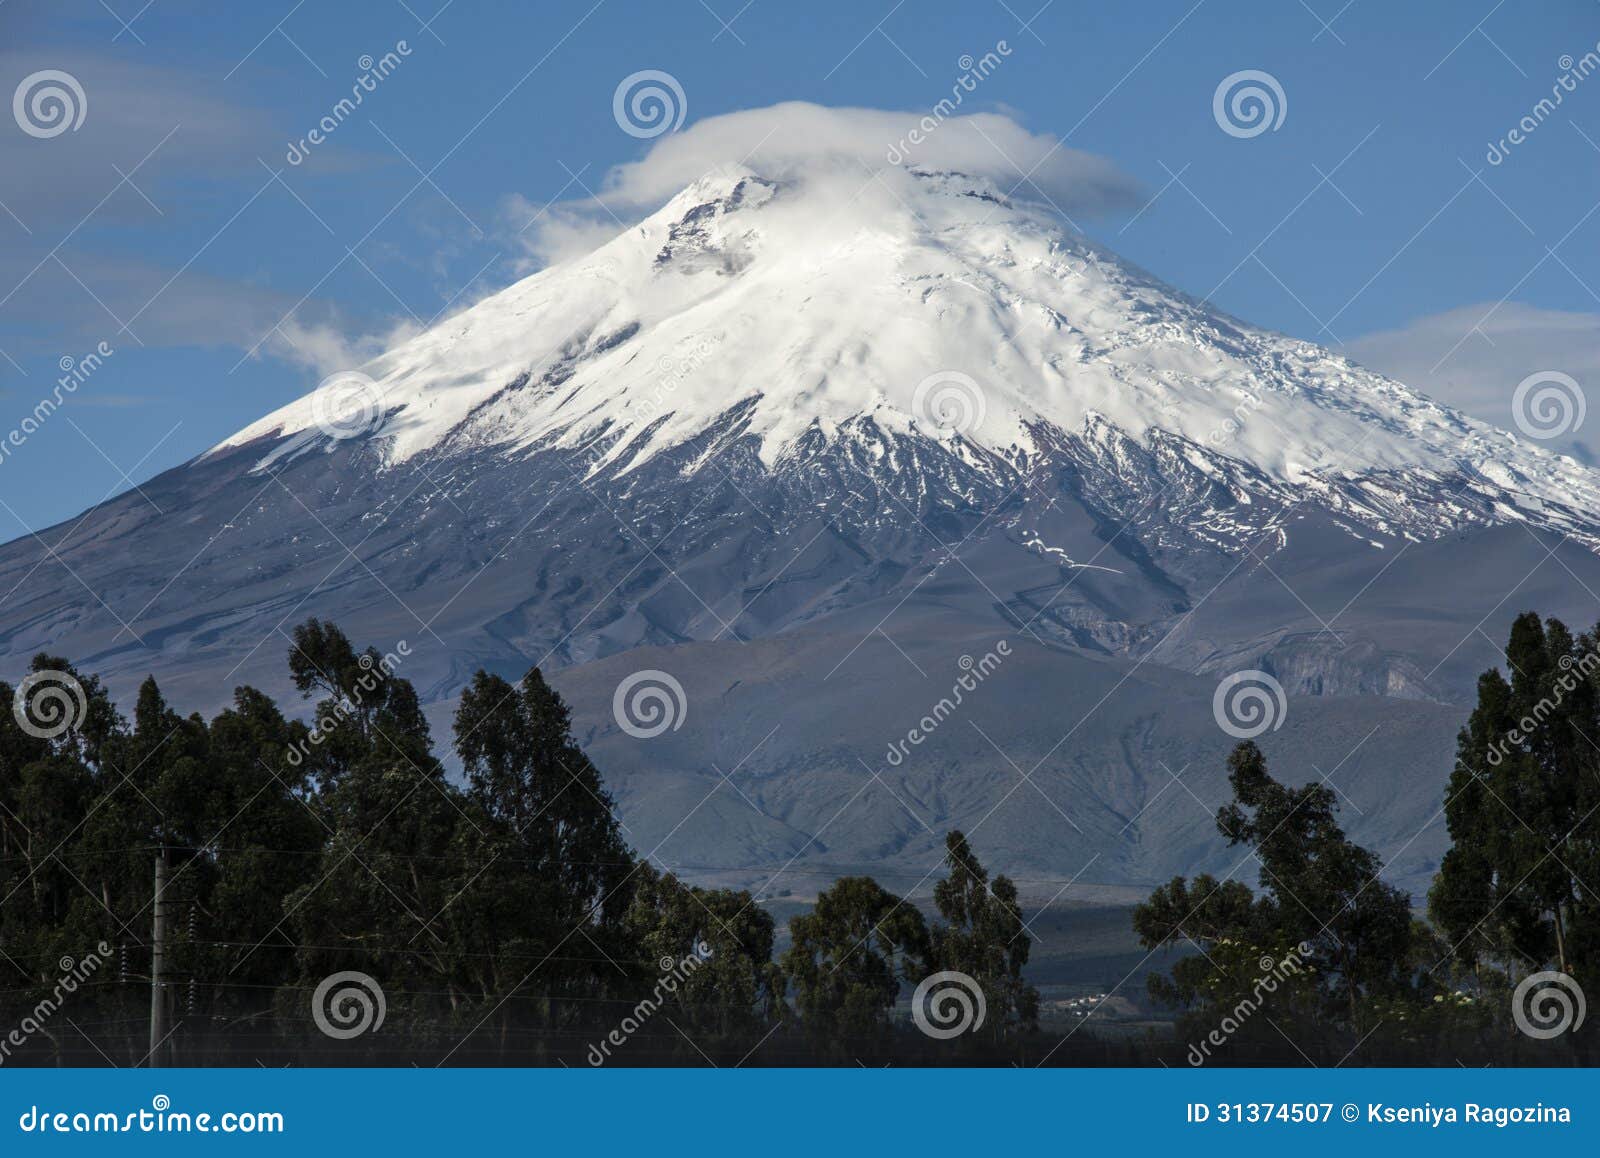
x: 1331, y: 962
x: 330, y: 897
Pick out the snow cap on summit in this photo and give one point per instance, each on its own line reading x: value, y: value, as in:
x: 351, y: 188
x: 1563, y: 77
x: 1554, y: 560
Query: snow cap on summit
x: 809, y: 296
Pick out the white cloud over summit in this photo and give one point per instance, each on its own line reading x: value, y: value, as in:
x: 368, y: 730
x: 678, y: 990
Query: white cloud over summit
x: 793, y: 136
x: 797, y: 138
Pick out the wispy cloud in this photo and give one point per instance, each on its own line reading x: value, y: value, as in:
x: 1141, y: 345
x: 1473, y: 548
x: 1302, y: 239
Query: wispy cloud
x: 150, y: 138
x: 327, y: 347
x: 145, y: 122
x: 796, y: 139
x: 1473, y: 357
x: 795, y: 136
x: 54, y: 313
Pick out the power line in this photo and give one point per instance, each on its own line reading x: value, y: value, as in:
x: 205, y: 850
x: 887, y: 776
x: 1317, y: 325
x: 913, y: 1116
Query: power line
x: 453, y: 994
x: 422, y: 858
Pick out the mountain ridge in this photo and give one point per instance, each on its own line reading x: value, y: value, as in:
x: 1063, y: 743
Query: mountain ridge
x: 702, y: 439
x: 942, y: 311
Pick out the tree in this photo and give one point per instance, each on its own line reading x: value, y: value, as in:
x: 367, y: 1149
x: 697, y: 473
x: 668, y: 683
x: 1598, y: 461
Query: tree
x: 1521, y: 809
x: 1326, y: 889
x: 381, y: 900
x: 718, y: 941
x: 526, y: 772
x: 849, y: 956
x: 260, y: 841
x: 985, y: 938
x: 1323, y: 911
x: 1211, y: 914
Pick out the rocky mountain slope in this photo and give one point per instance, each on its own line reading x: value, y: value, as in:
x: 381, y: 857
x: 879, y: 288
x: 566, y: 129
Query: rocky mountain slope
x: 804, y: 444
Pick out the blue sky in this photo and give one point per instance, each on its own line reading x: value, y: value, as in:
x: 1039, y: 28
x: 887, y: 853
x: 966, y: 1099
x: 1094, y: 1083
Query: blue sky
x: 226, y: 280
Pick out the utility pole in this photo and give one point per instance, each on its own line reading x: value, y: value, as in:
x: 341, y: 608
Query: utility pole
x: 158, y: 984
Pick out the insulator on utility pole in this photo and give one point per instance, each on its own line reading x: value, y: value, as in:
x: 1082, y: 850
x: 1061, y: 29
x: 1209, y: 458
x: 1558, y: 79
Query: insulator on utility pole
x: 193, y: 915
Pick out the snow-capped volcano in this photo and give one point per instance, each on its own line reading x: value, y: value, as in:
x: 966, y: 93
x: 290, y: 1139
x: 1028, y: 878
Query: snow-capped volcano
x: 855, y: 310
x: 810, y: 437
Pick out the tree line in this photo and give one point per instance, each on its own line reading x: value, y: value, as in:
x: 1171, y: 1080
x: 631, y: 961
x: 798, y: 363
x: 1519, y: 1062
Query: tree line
x: 506, y: 920
x: 1325, y: 960
x: 500, y: 920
